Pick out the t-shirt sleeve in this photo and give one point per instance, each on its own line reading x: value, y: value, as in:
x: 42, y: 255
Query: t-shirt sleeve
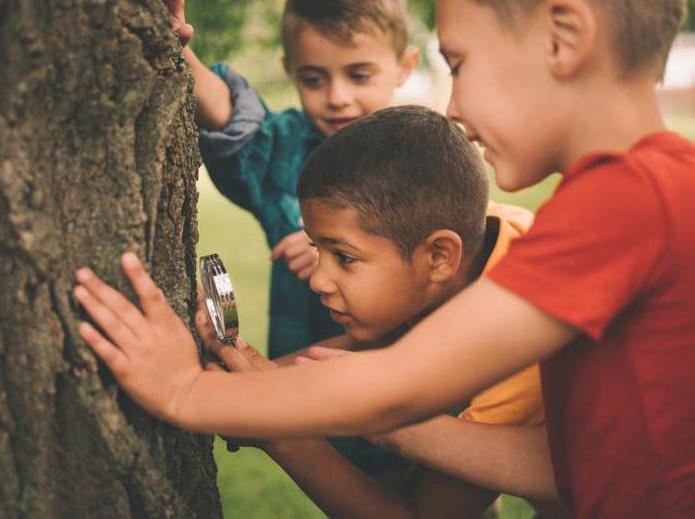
x: 595, y: 246
x: 516, y: 400
x: 253, y: 160
x: 248, y: 112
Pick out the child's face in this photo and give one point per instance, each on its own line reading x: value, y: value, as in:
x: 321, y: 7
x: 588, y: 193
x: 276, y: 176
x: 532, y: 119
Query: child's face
x: 502, y: 91
x: 362, y: 278
x: 339, y: 83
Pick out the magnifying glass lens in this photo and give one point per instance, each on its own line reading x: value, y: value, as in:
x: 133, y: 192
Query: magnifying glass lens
x: 219, y: 298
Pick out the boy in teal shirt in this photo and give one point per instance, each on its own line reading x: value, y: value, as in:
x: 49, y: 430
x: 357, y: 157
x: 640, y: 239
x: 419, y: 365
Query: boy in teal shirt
x: 345, y: 58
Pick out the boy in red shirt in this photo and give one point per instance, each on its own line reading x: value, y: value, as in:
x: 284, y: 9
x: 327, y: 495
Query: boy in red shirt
x: 601, y: 288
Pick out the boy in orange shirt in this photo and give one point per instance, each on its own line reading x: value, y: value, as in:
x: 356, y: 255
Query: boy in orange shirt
x: 600, y: 289
x: 412, y: 226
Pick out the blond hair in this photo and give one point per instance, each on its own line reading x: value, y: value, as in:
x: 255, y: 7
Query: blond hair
x: 341, y: 19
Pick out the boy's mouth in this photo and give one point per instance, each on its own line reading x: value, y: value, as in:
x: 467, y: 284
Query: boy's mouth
x: 339, y: 317
x: 340, y: 122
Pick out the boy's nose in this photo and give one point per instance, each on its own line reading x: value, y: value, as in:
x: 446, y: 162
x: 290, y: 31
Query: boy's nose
x: 453, y: 114
x: 339, y: 95
x: 320, y: 283
x: 452, y: 111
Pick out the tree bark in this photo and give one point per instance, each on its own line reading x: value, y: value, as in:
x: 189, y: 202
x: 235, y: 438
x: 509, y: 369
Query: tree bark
x: 98, y: 155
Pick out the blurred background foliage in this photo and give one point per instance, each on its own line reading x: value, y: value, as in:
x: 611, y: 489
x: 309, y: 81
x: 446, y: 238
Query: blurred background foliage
x: 225, y: 26
x: 221, y: 25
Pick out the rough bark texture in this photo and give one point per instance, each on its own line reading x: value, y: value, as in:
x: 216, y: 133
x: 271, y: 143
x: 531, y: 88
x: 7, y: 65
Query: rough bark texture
x: 97, y: 156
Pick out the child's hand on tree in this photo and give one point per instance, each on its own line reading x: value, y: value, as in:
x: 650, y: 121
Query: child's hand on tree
x: 301, y: 256
x: 150, y: 352
x: 178, y: 21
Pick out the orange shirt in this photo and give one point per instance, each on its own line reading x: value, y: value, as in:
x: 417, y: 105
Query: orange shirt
x: 516, y: 400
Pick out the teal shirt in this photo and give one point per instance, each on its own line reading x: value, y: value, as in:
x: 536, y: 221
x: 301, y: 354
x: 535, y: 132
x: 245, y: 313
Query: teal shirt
x: 255, y: 162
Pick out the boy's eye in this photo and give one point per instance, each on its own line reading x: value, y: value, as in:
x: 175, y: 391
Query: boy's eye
x: 311, y: 81
x: 343, y: 258
x: 454, y: 69
x: 360, y: 77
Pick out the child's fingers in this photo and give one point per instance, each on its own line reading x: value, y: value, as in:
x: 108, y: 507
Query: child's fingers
x: 306, y: 272
x: 111, y: 298
x: 213, y: 366
x: 279, y: 249
x: 234, y: 359
x: 114, y: 358
x: 204, y: 328
x: 151, y: 298
x: 300, y: 247
x: 321, y: 353
x: 302, y: 360
x: 291, y: 245
x: 302, y: 262
x: 116, y: 328
x: 256, y: 359
x: 185, y: 33
x: 175, y: 7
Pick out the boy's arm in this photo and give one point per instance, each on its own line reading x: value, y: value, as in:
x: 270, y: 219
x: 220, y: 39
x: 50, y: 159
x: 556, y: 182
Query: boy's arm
x: 508, y: 457
x: 449, y: 356
x: 333, y: 483
x: 213, y: 107
x: 435, y: 494
x: 513, y: 459
x: 213, y: 99
x: 316, y: 466
x: 341, y: 490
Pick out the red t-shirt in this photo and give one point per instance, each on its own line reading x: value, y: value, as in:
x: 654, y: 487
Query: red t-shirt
x: 613, y: 254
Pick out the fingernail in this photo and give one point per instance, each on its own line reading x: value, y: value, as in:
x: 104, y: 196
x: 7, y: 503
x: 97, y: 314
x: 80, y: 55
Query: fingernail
x: 83, y: 274
x: 129, y: 260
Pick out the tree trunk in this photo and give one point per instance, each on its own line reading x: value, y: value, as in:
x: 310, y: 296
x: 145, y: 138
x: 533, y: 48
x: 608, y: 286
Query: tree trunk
x: 98, y: 155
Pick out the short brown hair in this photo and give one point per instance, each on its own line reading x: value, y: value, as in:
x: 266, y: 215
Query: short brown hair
x: 341, y: 19
x: 643, y: 30
x: 407, y: 171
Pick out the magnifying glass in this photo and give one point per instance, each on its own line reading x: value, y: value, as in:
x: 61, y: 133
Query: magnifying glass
x: 220, y: 302
x: 219, y: 298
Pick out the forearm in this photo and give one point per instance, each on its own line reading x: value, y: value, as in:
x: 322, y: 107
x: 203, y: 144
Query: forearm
x: 510, y: 459
x: 253, y: 405
x: 334, y: 484
x: 388, y: 388
x: 213, y: 97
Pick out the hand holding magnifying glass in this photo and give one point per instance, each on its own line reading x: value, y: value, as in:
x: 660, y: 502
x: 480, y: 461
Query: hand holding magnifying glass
x: 220, y: 303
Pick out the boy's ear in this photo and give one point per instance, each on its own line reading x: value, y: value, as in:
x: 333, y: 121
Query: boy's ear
x: 572, y: 36
x: 444, y: 255
x: 409, y: 62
